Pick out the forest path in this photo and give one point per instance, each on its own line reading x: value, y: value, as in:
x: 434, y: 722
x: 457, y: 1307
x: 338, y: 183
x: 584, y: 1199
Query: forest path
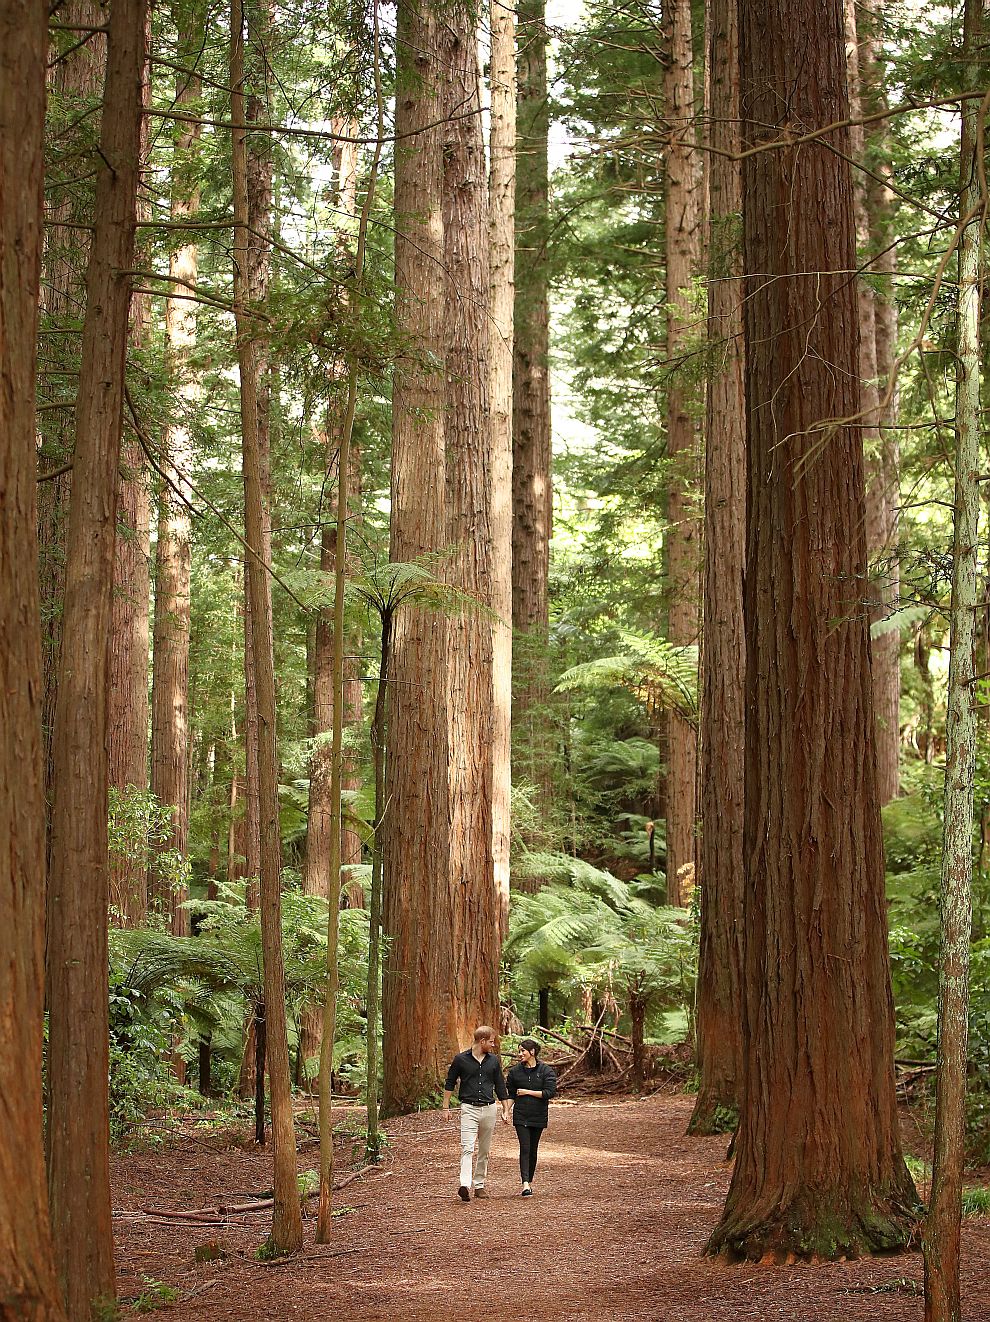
x: 622, y: 1208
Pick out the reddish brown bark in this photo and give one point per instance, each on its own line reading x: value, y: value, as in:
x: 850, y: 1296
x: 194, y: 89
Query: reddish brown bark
x: 683, y: 234
x: 880, y: 500
x: 78, y: 1065
x: 723, y: 657
x: 469, y: 995
x: 416, y: 864
x: 77, y: 80
x: 127, y: 700
x: 170, y: 729
x: 819, y: 1170
x: 28, y: 1292
x: 532, y: 483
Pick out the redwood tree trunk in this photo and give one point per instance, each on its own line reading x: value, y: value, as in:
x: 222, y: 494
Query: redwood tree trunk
x: 416, y: 877
x: 27, y: 1274
x: 173, y: 572
x: 127, y: 700
x: 819, y: 1170
x: 532, y: 484
x: 469, y: 992
x: 78, y: 1065
x: 683, y: 233
x: 286, y: 1233
x: 723, y: 658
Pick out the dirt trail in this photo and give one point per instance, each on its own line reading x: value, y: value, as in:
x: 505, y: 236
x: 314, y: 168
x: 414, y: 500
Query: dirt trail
x: 622, y: 1208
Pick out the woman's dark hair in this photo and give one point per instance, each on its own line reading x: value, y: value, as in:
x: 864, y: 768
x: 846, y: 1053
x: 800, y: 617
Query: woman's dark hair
x: 530, y: 1045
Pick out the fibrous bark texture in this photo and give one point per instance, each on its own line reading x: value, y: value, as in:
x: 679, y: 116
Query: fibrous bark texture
x: 173, y: 574
x: 683, y: 232
x: 881, y: 499
x: 28, y: 1291
x: 78, y: 1065
x: 474, y: 907
x: 819, y: 1170
x: 719, y: 1041
x: 532, y: 485
x: 417, y: 878
x: 77, y: 81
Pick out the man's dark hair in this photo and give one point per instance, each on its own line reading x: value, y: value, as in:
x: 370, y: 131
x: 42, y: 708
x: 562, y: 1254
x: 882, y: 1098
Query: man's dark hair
x: 531, y: 1045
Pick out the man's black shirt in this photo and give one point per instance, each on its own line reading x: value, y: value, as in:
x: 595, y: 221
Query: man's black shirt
x: 481, y: 1080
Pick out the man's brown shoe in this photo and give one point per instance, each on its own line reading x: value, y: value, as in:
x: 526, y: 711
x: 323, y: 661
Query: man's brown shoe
x: 464, y: 1194
x: 481, y: 1193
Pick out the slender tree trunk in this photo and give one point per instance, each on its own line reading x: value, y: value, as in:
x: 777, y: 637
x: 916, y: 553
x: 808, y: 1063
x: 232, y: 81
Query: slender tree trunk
x: 77, y: 80
x: 817, y: 1008
x: 173, y: 573
x: 880, y: 525
x: 683, y: 231
x: 724, y: 655
x: 258, y: 1041
x: 127, y: 699
x: 286, y: 1235
x: 28, y: 1291
x: 883, y: 491
x: 471, y: 995
x: 379, y: 726
x: 544, y: 1007
x: 637, y: 1017
x: 532, y: 484
x: 78, y: 1064
x: 501, y: 226
x: 940, y: 1239
x: 416, y: 869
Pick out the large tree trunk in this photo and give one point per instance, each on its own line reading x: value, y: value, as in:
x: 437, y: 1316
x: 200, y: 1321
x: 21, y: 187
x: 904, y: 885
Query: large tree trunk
x: 286, y: 1234
x: 532, y: 486
x: 819, y: 1170
x: 127, y: 699
x: 77, y: 81
x: 501, y: 221
x: 941, y: 1236
x: 683, y: 234
x: 78, y: 1064
x: 173, y: 574
x: 724, y: 654
x: 470, y: 996
x: 28, y: 1291
x: 417, y: 880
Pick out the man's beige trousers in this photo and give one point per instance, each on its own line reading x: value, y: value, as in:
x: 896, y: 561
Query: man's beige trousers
x: 477, y: 1127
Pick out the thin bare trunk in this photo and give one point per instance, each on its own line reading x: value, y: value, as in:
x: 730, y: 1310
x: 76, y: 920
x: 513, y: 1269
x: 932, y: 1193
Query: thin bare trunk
x: 28, y: 1292
x: 941, y: 1235
x: 170, y: 681
x: 501, y: 226
x: 723, y: 664
x: 532, y: 483
x: 286, y: 1234
x: 683, y: 231
x: 78, y: 1063
x: 127, y: 700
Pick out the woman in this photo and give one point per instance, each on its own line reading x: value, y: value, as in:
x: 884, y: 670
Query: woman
x: 531, y: 1085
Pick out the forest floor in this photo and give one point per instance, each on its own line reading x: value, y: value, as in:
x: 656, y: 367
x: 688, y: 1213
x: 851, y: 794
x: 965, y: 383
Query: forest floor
x: 623, y: 1205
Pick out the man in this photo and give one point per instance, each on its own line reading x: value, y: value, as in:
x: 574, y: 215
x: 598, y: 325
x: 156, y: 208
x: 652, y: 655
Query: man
x: 479, y: 1073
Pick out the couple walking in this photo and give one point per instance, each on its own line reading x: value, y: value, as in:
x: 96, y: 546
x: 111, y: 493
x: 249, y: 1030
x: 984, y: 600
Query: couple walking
x: 484, y: 1093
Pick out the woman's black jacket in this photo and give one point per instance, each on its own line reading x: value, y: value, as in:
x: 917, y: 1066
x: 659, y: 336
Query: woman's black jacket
x: 531, y: 1111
